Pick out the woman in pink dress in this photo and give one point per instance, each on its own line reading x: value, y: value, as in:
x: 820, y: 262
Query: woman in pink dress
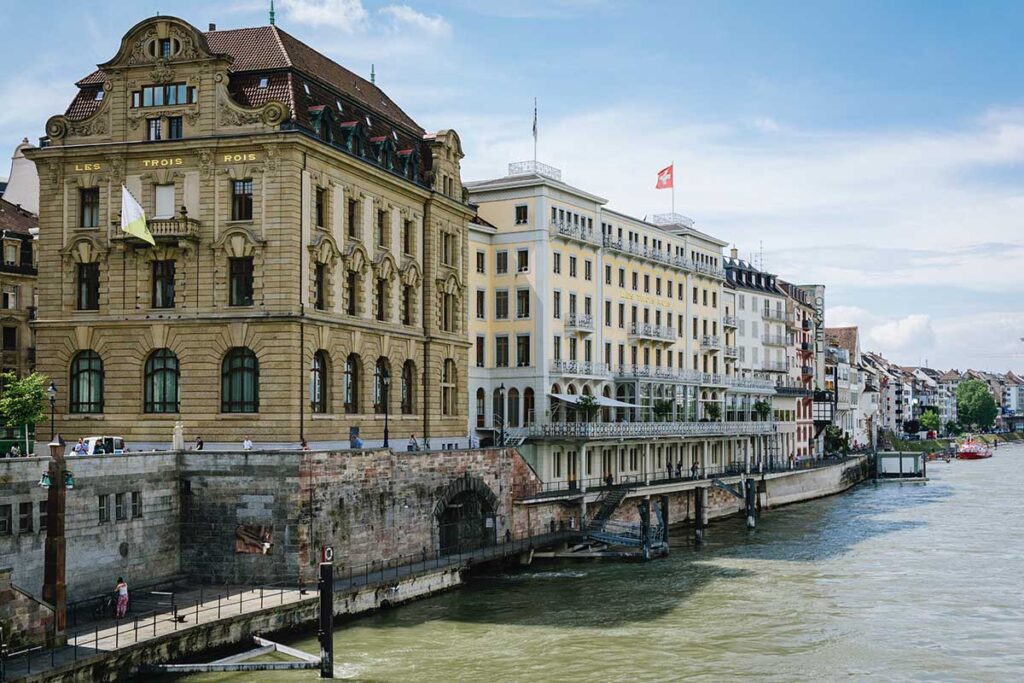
x: 122, y: 597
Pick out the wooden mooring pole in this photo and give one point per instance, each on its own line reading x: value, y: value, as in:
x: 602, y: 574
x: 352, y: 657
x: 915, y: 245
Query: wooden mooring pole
x: 699, y: 502
x: 751, y: 500
x: 325, y: 634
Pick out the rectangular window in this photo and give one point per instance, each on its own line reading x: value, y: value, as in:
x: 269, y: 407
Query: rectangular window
x: 622, y: 315
x: 136, y: 504
x: 163, y: 284
x: 635, y: 279
x: 480, y: 352
x: 88, y: 286
x: 501, y: 262
x: 407, y: 232
x: 352, y: 213
x: 382, y: 298
x: 241, y: 200
x: 572, y: 266
x: 622, y: 277
x: 319, y: 286
x: 9, y: 298
x: 694, y: 295
x: 175, y: 128
x: 407, y: 313
x: 557, y: 348
x: 43, y: 516
x: 104, y: 507
x: 163, y: 201
x: 556, y: 306
x: 321, y: 209
x: 607, y: 274
x: 25, y: 515
x: 10, y: 338
x: 5, y: 520
x: 501, y: 305
x: 556, y: 262
x: 523, y: 261
x: 350, y: 293
x: 521, y: 215
x: 588, y: 269
x: 240, y: 280
x: 523, y: 350
x: 607, y: 313
x: 152, y: 129
x: 481, y: 306
x: 382, y: 230
x: 647, y: 284
x: 522, y: 303
x: 120, y: 512
x: 481, y: 260
x: 89, y: 207
x: 501, y: 352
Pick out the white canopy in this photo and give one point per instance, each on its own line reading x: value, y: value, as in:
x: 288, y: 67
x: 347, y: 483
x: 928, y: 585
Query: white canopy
x: 602, y: 401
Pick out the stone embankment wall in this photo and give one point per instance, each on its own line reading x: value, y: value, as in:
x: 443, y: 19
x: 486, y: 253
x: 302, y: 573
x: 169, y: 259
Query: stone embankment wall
x: 24, y: 620
x: 141, y: 547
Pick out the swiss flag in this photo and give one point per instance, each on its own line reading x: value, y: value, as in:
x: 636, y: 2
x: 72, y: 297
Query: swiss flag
x: 664, y: 178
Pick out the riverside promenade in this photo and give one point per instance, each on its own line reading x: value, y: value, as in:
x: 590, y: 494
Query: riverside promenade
x: 193, y: 621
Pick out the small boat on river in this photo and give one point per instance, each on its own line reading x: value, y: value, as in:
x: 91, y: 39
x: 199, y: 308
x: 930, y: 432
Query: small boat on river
x: 973, y: 450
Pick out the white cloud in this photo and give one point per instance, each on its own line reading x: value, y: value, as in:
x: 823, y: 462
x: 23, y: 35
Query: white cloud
x: 406, y: 16
x: 347, y: 15
x: 913, y: 333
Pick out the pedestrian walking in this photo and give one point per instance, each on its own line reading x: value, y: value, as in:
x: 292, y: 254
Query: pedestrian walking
x: 668, y: 470
x: 694, y: 470
x: 414, y: 445
x: 121, y: 591
x: 679, y: 470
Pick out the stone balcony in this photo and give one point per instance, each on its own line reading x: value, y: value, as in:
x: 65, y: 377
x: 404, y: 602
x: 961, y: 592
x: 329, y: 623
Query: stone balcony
x: 711, y: 342
x: 657, y: 333
x: 163, y: 230
x: 774, y: 340
x: 731, y: 351
x: 572, y: 231
x: 773, y: 315
x: 730, y: 321
x: 774, y: 366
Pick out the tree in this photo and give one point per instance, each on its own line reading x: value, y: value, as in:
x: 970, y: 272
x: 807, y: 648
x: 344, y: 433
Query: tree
x: 762, y: 408
x: 975, y: 405
x: 931, y: 421
x: 712, y: 411
x: 588, y: 406
x: 911, y: 426
x: 22, y: 401
x: 662, y: 409
x: 953, y: 428
x: 835, y: 440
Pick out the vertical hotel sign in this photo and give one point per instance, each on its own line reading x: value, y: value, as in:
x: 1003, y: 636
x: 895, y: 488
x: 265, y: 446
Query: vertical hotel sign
x: 819, y: 331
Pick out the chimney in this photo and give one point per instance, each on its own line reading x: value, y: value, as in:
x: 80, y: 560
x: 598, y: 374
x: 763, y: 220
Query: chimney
x: 213, y: 27
x: 734, y: 253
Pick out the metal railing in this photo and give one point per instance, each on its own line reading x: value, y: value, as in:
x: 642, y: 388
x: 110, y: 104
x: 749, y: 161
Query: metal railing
x: 710, y: 341
x: 580, y: 321
x: 567, y: 229
x: 730, y: 321
x: 773, y: 314
x: 774, y: 340
x: 731, y: 351
x: 598, y: 430
x: 649, y: 331
x: 580, y: 367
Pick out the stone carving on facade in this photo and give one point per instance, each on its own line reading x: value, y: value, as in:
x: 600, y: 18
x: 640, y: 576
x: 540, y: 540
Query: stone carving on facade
x: 270, y: 157
x: 162, y: 73
x: 206, y: 166
x: 231, y: 114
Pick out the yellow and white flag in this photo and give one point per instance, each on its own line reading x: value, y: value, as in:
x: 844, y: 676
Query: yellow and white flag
x: 133, y: 218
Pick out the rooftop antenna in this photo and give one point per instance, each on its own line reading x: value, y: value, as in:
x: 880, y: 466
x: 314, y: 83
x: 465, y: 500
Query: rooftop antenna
x: 272, y: 13
x: 760, y: 255
x: 373, y: 74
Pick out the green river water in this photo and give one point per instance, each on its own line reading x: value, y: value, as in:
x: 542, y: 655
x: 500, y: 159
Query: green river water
x: 886, y: 582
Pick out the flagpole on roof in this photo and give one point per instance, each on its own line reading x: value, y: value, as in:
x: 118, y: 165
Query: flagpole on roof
x: 673, y: 189
x: 535, y: 133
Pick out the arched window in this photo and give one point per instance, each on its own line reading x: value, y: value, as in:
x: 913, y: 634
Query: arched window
x: 161, y: 382
x: 606, y: 412
x: 240, y: 382
x: 498, y: 408
x: 481, y: 408
x: 86, y: 383
x: 408, y: 388
x: 318, y: 384
x: 351, y: 384
x: 381, y: 380
x: 513, y: 407
x: 529, y: 407
x: 448, y: 386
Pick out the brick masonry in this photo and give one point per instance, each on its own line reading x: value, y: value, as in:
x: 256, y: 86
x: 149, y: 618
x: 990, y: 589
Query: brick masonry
x: 24, y: 620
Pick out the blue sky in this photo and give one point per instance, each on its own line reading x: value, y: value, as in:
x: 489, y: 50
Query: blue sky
x: 877, y: 147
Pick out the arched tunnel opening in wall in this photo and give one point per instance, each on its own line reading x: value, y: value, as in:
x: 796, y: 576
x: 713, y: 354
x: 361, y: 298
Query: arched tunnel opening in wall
x: 466, y: 516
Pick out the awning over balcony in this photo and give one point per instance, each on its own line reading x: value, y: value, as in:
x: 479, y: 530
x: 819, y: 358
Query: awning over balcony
x: 602, y: 401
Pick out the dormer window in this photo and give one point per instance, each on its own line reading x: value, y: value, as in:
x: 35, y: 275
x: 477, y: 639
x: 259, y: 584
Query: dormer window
x: 99, y: 95
x: 264, y: 82
x: 165, y: 47
x: 305, y: 87
x: 340, y: 108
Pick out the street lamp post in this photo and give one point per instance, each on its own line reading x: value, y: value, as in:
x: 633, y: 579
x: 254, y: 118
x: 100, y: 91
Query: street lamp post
x: 501, y: 400
x: 386, y: 381
x: 52, y: 391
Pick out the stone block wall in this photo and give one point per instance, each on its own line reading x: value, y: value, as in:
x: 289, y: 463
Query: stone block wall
x: 25, y: 621
x: 142, y: 548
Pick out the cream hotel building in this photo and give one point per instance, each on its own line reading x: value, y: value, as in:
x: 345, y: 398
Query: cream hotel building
x: 570, y: 299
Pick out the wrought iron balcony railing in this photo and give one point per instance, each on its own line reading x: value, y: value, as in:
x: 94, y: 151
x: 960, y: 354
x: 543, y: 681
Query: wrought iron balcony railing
x: 653, y: 332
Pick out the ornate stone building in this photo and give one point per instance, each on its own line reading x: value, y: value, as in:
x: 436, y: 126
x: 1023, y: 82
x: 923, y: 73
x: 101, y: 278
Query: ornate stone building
x: 310, y: 258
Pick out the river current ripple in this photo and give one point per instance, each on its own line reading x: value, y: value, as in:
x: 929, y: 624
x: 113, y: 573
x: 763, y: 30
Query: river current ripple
x: 886, y: 582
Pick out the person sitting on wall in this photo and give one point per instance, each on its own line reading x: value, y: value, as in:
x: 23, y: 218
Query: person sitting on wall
x: 357, y: 442
x: 305, y: 445
x: 246, y: 444
x: 414, y: 445
x: 199, y: 443
x: 81, y: 448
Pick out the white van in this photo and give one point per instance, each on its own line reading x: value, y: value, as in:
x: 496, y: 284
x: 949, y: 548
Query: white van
x: 100, y: 445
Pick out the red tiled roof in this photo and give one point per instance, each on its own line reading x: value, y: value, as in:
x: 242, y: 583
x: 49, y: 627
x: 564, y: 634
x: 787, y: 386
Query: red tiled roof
x: 16, y: 219
x: 844, y: 337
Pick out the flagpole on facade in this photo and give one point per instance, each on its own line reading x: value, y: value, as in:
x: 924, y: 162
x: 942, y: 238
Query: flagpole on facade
x: 535, y: 133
